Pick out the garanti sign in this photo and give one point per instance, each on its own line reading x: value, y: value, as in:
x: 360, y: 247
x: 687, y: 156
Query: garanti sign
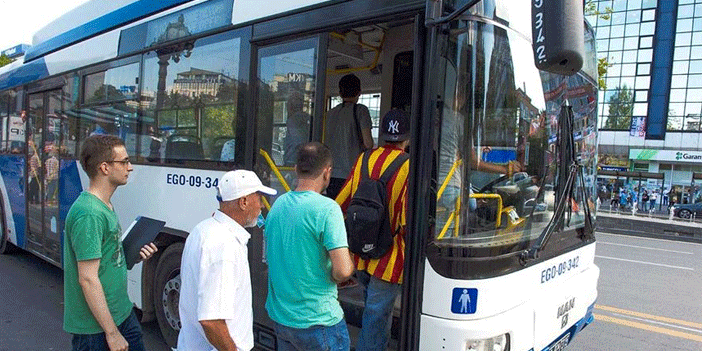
x: 666, y: 156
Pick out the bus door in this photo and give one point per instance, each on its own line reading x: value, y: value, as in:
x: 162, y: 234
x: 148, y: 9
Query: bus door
x: 286, y: 116
x: 42, y: 175
x: 381, y: 55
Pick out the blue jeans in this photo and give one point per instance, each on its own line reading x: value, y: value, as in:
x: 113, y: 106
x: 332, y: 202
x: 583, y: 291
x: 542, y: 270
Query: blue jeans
x: 315, y: 338
x: 377, y: 315
x: 130, y: 330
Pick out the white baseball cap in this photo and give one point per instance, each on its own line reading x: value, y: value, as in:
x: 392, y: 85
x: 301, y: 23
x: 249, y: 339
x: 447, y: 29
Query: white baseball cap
x: 239, y: 183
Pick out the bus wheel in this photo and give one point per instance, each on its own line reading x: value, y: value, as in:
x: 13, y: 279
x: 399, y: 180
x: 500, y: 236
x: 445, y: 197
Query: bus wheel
x: 167, y: 293
x: 5, y: 246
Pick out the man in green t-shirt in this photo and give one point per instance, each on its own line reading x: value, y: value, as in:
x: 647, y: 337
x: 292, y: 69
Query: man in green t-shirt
x: 307, y: 256
x: 97, y: 310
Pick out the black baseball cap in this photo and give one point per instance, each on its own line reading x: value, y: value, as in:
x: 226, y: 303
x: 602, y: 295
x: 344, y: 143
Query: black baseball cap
x: 395, y: 126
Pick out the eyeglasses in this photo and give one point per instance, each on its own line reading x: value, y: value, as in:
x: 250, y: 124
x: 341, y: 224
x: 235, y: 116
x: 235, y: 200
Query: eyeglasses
x: 124, y: 162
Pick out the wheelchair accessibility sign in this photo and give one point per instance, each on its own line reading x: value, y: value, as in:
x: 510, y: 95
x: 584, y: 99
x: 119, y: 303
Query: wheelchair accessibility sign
x: 465, y: 300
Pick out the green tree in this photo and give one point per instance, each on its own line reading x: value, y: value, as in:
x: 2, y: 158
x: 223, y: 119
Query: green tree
x: 621, y: 106
x: 602, y: 66
x: 591, y: 10
x: 4, y: 60
x: 602, y: 62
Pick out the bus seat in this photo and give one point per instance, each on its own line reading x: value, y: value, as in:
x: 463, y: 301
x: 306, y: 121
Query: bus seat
x: 222, y: 148
x: 184, y: 147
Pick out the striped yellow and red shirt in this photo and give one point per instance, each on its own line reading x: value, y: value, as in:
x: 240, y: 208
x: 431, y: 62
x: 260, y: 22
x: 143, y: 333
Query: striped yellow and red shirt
x: 389, y: 267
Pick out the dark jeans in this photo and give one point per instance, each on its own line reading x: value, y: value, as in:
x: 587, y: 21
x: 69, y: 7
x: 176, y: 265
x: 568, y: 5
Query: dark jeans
x: 377, y: 315
x: 315, y: 338
x: 33, y: 191
x: 334, y: 188
x: 130, y: 330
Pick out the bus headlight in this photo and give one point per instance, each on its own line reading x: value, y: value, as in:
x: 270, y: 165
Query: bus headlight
x: 498, y: 343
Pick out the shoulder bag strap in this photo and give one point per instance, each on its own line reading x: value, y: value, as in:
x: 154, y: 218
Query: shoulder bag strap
x: 358, y: 126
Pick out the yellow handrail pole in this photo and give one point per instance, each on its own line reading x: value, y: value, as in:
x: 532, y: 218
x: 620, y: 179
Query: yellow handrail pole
x: 448, y: 176
x: 458, y: 218
x: 446, y: 226
x: 498, y: 222
x: 265, y: 203
x: 274, y: 168
x: 377, y: 50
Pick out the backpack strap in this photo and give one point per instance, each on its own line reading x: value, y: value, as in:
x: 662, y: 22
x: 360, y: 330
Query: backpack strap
x: 393, y: 167
x: 364, y: 165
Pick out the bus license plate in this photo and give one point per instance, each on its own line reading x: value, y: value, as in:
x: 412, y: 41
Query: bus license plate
x: 560, y: 345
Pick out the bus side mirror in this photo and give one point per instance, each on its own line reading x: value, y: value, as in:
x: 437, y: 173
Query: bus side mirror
x: 558, y: 35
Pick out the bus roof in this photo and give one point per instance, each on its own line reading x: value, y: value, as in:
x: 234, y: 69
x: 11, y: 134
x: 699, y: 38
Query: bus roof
x: 97, y: 16
x: 94, y: 32
x: 94, y: 20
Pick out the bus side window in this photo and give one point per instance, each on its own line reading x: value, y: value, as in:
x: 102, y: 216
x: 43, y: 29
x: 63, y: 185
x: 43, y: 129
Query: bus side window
x: 192, y: 105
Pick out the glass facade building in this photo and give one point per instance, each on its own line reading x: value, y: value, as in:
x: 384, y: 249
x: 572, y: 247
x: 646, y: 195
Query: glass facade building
x: 650, y: 113
x: 686, y: 84
x: 626, y: 40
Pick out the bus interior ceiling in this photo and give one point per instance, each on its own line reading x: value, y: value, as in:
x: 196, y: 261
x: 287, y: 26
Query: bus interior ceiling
x: 355, y: 50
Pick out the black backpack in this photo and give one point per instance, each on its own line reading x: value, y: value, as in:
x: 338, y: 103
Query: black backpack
x: 368, y: 224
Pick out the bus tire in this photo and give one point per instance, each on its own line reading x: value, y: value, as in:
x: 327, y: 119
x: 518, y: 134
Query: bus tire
x: 167, y: 293
x: 5, y: 245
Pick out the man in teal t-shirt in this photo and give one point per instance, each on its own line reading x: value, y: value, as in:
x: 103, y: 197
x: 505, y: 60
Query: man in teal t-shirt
x: 307, y: 256
x: 97, y: 310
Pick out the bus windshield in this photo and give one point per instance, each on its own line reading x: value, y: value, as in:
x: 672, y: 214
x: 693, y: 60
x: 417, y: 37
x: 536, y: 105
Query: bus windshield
x: 498, y: 163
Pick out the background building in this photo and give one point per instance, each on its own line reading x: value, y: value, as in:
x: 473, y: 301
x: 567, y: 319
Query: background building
x: 650, y: 112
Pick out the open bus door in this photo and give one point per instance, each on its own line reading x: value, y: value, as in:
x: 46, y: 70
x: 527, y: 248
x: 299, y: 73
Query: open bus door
x: 296, y: 83
x: 43, y: 133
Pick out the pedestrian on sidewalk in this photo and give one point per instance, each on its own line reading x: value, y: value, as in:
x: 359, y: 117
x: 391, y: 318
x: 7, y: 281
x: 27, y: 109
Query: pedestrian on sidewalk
x: 97, y: 309
x: 644, y: 200
x: 623, y: 200
x: 665, y: 197
x: 307, y: 254
x: 215, y: 293
x: 653, y: 199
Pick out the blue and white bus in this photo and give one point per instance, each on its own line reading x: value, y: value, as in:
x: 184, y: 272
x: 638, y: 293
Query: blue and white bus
x: 500, y: 240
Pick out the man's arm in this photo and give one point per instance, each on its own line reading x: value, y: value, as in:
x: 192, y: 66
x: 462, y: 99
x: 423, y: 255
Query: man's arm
x: 342, y: 266
x: 95, y: 297
x: 217, y: 334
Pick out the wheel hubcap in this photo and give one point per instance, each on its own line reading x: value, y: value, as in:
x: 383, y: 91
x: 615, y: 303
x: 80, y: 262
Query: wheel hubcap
x: 169, y: 302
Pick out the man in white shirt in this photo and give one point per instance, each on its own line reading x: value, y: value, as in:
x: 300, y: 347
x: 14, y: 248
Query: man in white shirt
x: 215, y: 294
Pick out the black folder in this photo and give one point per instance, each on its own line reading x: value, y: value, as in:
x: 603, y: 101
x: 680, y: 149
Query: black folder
x: 143, y: 231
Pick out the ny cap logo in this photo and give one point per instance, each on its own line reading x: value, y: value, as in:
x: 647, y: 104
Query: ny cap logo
x: 394, y: 127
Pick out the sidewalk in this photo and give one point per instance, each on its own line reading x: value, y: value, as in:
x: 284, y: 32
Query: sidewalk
x: 658, y: 212
x: 656, y: 224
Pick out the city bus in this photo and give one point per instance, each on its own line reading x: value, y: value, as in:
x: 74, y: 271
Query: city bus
x: 500, y: 239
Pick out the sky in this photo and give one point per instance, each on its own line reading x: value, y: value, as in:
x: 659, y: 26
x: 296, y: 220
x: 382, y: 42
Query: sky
x: 22, y: 18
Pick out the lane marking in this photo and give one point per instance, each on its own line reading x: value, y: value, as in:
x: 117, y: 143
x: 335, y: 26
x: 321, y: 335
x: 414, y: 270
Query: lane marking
x: 647, y: 248
x: 698, y: 331
x: 648, y: 263
x: 648, y: 316
x: 643, y: 326
x: 671, y: 240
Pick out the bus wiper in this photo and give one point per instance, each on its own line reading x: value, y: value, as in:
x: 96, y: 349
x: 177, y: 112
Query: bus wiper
x: 567, y: 192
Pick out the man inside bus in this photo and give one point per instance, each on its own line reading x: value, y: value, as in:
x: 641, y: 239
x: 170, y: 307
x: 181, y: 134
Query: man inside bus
x: 215, y: 296
x: 307, y: 255
x: 381, y: 278
x: 347, y: 132
x: 298, y: 126
x: 97, y: 309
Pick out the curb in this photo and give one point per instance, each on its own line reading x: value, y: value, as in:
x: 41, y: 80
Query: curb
x: 649, y: 227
